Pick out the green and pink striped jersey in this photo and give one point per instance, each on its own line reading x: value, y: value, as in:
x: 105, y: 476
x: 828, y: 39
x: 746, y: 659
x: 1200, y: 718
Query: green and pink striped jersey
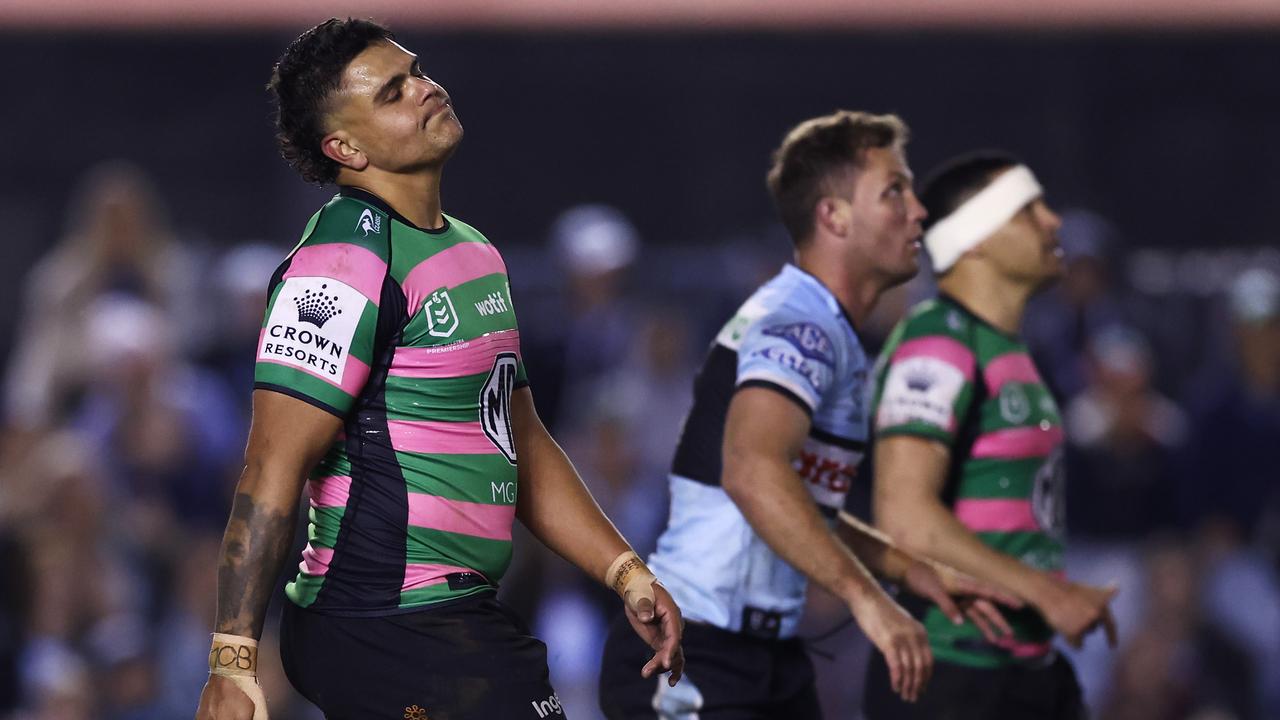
x: 947, y: 375
x: 410, y: 337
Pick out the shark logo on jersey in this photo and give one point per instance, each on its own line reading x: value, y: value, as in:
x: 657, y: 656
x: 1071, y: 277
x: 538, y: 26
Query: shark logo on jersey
x: 369, y: 223
x: 442, y: 319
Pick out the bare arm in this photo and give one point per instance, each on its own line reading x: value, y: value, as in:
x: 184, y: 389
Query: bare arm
x: 764, y: 433
x: 910, y: 473
x: 559, y: 510
x: 287, y: 438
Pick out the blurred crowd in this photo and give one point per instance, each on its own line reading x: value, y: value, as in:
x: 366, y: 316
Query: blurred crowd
x: 126, y: 407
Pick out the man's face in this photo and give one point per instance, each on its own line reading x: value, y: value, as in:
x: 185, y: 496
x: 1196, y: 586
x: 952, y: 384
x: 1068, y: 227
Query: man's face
x: 1026, y: 249
x: 885, y: 216
x: 389, y: 110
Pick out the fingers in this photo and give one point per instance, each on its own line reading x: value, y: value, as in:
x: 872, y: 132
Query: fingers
x: 1109, y: 625
x: 993, y: 616
x: 948, y: 607
x: 991, y: 633
x: 894, y: 662
x: 916, y: 663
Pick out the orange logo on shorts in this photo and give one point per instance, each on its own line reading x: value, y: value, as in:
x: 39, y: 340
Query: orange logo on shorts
x: 413, y: 712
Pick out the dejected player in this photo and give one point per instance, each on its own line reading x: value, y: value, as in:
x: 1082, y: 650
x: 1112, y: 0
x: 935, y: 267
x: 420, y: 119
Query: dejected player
x: 389, y: 381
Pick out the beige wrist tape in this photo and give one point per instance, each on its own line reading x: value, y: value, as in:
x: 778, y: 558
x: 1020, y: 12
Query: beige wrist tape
x: 236, y: 658
x: 630, y: 578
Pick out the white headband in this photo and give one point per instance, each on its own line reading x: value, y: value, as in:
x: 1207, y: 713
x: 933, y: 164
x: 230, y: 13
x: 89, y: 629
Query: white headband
x: 980, y: 216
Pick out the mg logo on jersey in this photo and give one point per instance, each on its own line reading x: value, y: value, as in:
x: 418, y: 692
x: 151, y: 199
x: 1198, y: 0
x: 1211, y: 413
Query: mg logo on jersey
x: 442, y: 319
x: 369, y: 223
x: 495, y: 405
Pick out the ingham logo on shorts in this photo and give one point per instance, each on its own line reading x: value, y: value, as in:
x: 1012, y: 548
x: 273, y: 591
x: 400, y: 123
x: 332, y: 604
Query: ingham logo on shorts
x: 369, y: 223
x: 495, y: 405
x: 549, y: 707
x: 311, y: 326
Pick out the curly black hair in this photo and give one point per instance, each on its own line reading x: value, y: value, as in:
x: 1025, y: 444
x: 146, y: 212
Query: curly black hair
x: 302, y: 81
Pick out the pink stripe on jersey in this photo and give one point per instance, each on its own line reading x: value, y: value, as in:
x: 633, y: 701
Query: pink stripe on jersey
x: 427, y: 436
x: 1011, y: 367
x: 330, y: 492
x: 953, y: 352
x: 1025, y: 649
x: 353, y: 375
x: 1017, y: 443
x: 996, y: 515
x: 351, y: 264
x: 460, y: 516
x: 469, y: 357
x: 315, y: 560
x: 450, y: 268
x: 420, y: 575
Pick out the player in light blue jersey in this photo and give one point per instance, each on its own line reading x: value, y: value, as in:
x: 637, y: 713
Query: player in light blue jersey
x: 772, y: 444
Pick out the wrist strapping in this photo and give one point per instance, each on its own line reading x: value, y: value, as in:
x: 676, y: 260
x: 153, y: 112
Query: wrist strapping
x: 233, y: 655
x: 630, y: 578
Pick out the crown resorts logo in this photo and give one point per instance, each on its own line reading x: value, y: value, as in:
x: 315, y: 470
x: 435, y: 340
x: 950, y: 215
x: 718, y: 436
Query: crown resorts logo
x: 316, y: 307
x: 920, y: 380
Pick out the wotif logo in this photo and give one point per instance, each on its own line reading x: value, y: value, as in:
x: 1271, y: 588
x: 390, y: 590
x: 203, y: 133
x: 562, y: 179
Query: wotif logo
x: 547, y: 708
x: 369, y: 223
x: 494, y: 304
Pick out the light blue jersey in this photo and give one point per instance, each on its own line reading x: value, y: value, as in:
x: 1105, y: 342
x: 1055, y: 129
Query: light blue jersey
x: 791, y: 336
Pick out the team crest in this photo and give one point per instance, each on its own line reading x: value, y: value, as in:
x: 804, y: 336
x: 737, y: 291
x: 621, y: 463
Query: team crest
x: 442, y: 318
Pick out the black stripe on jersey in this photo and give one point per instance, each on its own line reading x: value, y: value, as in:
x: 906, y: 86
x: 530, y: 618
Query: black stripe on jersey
x: 829, y: 513
x: 698, y: 451
x: 781, y: 390
x: 367, y: 571
x: 840, y: 442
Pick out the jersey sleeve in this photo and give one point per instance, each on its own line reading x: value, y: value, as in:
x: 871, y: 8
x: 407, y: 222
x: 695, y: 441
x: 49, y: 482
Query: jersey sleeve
x: 926, y: 384
x: 317, y: 341
x: 790, y: 352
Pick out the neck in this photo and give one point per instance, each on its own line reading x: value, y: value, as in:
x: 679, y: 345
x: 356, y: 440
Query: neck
x: 987, y: 294
x: 416, y: 196
x: 855, y: 288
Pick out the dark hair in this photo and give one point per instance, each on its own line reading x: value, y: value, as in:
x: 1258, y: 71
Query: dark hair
x: 818, y: 149
x: 949, y: 185
x: 306, y: 75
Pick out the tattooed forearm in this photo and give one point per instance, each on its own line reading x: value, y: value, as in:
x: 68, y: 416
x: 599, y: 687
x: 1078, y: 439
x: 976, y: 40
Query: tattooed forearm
x: 253, y: 551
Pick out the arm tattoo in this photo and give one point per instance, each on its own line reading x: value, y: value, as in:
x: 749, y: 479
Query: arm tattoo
x: 253, y: 551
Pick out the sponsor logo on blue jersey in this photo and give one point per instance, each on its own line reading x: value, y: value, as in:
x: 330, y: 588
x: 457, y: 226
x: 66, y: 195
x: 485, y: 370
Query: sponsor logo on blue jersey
x: 808, y: 338
x: 790, y: 360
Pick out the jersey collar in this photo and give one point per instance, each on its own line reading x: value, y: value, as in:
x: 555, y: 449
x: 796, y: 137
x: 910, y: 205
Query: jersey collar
x: 369, y: 198
x: 832, y: 301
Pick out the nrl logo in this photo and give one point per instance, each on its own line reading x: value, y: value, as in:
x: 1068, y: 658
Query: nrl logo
x: 442, y: 319
x: 369, y: 223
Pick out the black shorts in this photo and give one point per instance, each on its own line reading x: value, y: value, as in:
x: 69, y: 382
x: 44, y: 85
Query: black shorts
x: 727, y: 676
x: 1047, y: 691
x: 470, y: 660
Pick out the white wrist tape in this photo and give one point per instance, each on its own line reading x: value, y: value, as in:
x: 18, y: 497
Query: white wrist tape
x: 630, y: 578
x: 980, y: 216
x: 236, y: 658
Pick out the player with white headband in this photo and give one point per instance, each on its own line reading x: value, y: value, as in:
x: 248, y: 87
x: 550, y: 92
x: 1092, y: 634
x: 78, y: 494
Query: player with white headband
x: 968, y: 453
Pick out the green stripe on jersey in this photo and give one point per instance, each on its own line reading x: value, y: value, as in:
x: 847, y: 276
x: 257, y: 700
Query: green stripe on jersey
x: 486, y: 556
x: 304, y: 383
x: 322, y: 530
x: 1036, y: 549
x: 454, y: 399
x: 435, y: 593
x: 472, y: 323
x: 472, y: 478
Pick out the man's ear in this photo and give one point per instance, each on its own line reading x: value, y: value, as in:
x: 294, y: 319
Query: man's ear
x: 832, y: 214
x: 340, y: 147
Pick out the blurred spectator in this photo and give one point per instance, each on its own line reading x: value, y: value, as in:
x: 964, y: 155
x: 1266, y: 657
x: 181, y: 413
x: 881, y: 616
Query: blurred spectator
x: 117, y: 241
x: 1233, y: 455
x: 1178, y: 665
x: 1122, y: 436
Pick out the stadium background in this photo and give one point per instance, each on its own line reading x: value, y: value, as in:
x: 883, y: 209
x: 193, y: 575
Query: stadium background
x: 144, y: 207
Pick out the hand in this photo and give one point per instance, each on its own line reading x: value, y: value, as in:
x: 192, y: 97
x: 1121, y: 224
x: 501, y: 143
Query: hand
x: 225, y: 699
x: 1075, y: 609
x: 900, y: 638
x: 659, y: 624
x: 959, y: 595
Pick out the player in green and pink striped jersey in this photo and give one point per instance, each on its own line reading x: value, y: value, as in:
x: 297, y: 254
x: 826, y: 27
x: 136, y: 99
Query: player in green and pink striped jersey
x: 968, y: 453
x: 389, y: 382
